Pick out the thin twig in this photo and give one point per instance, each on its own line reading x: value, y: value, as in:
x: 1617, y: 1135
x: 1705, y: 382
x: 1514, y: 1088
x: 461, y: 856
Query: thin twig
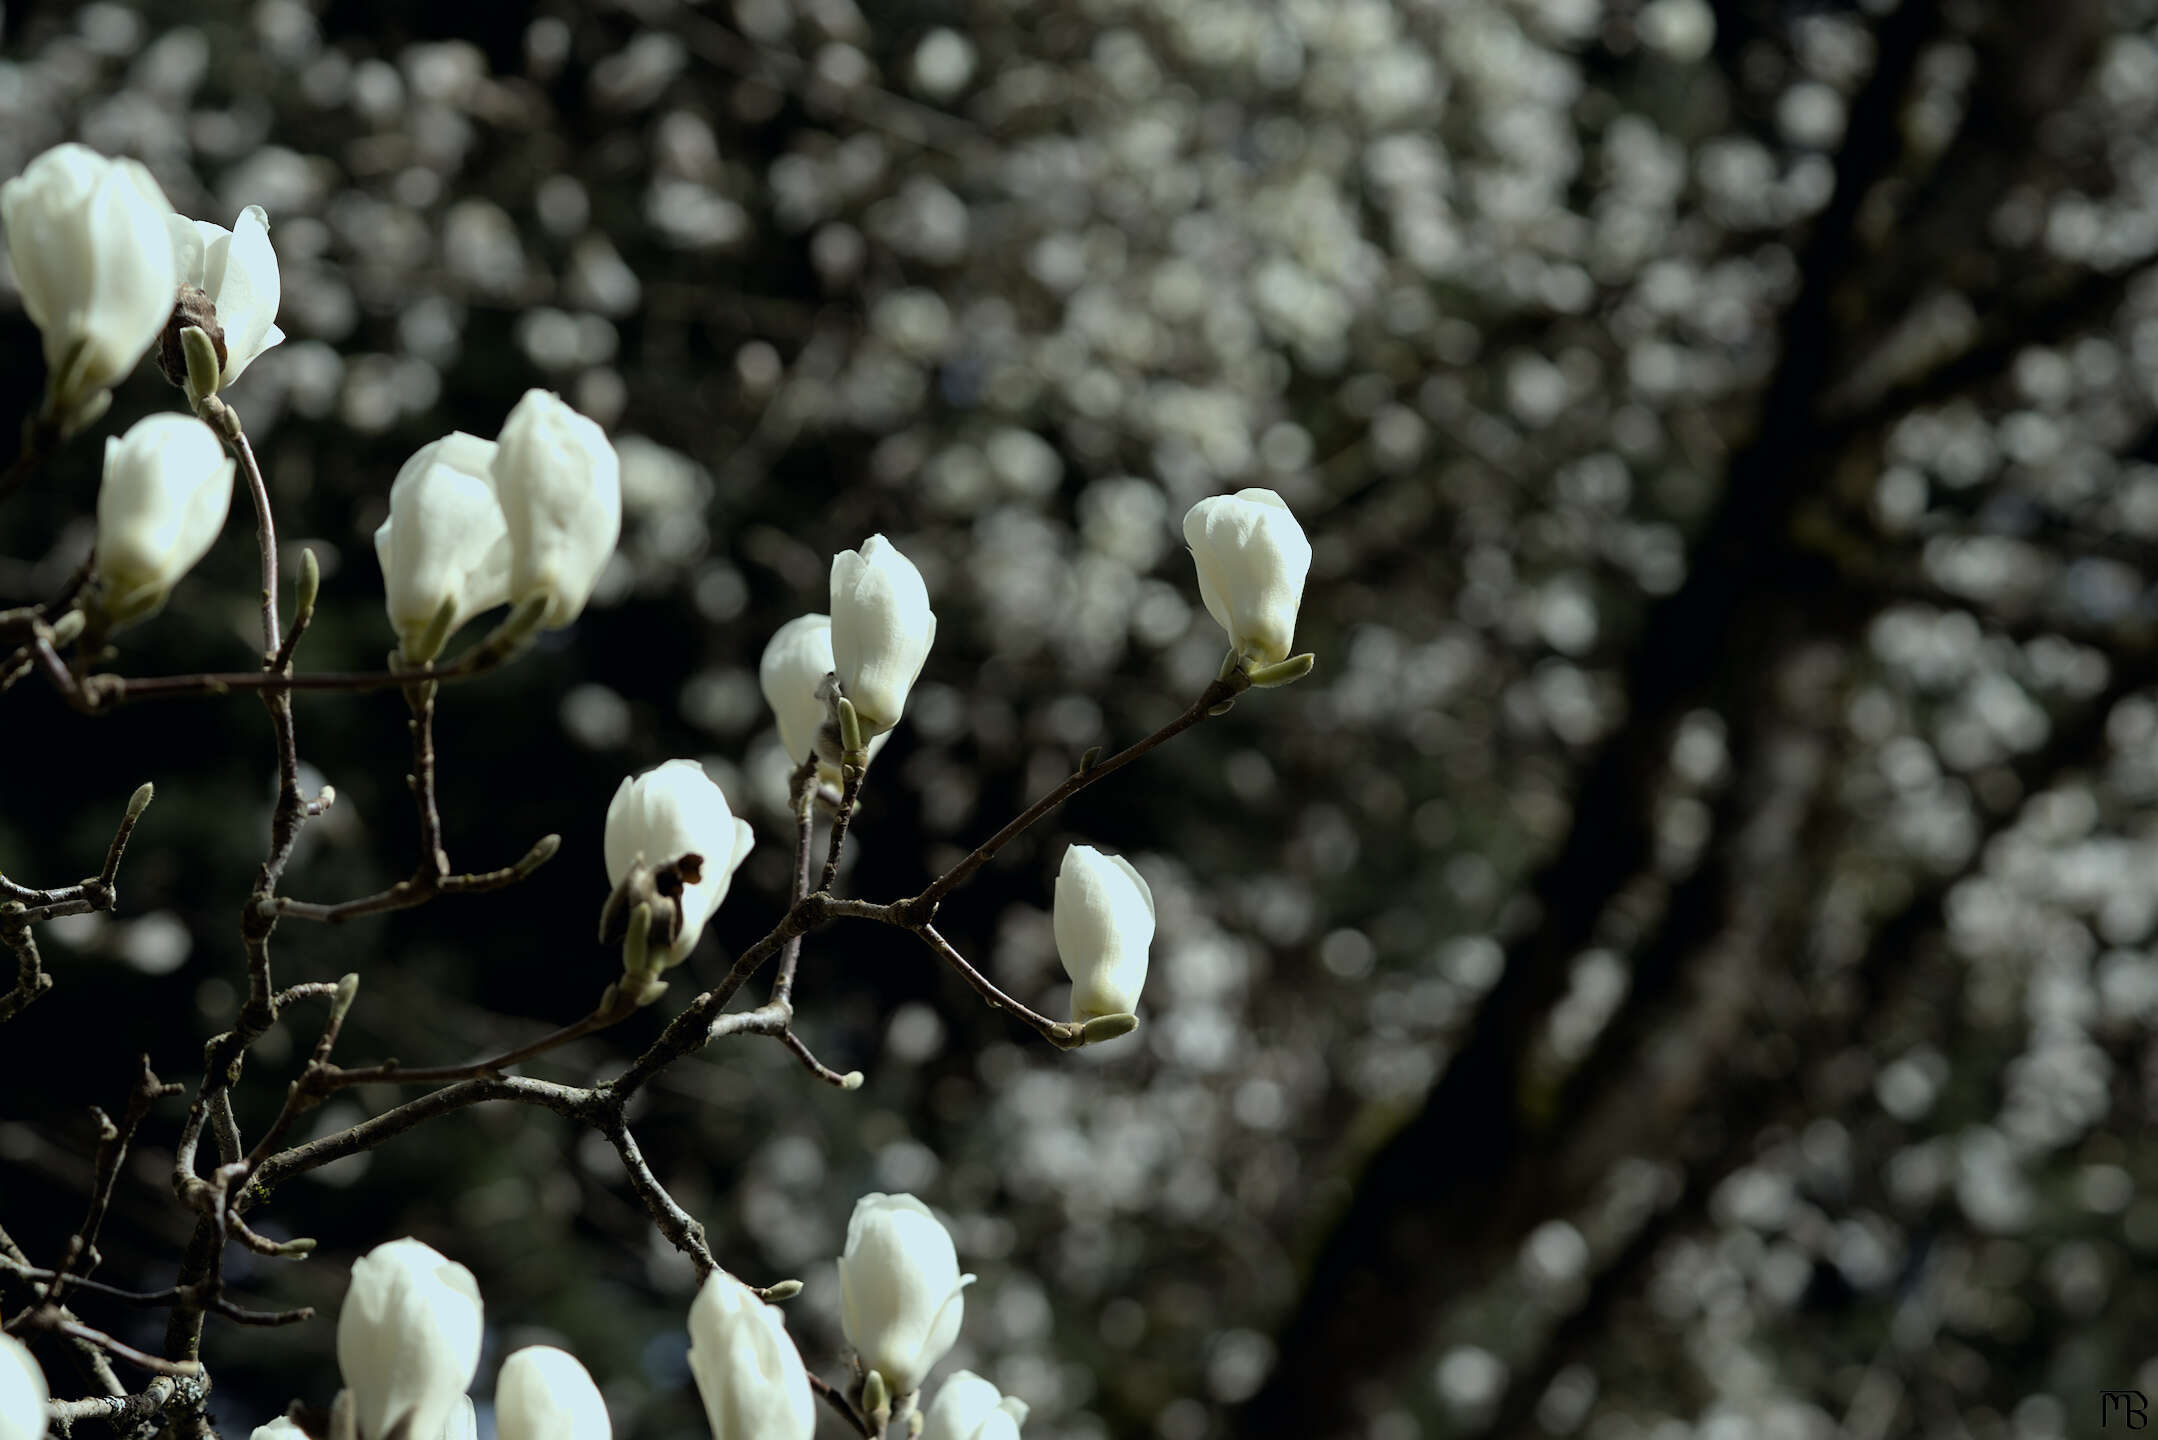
x: 833, y: 1396
x: 924, y: 905
x: 802, y: 792
x: 849, y: 797
x: 111, y: 1150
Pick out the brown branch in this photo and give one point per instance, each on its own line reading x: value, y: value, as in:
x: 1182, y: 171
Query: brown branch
x: 850, y: 795
x: 111, y: 1150
x: 923, y: 907
x: 802, y: 792
x: 326, y: 1079
x: 21, y: 907
x: 833, y: 1396
x: 125, y: 1412
x: 678, y: 1225
x: 418, y: 890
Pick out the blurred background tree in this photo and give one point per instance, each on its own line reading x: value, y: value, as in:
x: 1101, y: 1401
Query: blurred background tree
x: 1682, y: 966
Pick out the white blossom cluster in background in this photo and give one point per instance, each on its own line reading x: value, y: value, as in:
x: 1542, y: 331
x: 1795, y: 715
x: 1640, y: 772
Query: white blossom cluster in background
x: 1482, y: 291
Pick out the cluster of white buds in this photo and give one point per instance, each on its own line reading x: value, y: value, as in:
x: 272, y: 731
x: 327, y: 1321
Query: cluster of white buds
x: 408, y: 1347
x: 672, y: 847
x: 22, y: 1392
x: 529, y: 519
x: 107, y: 270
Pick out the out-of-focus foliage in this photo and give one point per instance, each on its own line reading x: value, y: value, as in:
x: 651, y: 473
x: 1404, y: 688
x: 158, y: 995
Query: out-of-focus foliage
x: 1491, y: 291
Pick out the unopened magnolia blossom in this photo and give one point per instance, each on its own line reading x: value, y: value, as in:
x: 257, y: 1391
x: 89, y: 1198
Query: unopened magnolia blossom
x: 545, y: 1394
x: 882, y: 628
x: 1104, y: 922
x: 93, y: 259
x: 22, y: 1392
x: 659, y: 817
x: 792, y: 674
x: 408, y: 1340
x: 282, y: 1427
x: 900, y: 1291
x: 1252, y: 558
x: 164, y: 497
x: 560, y: 484
x: 445, y: 550
x: 968, y: 1407
x: 236, y: 270
x: 747, y: 1370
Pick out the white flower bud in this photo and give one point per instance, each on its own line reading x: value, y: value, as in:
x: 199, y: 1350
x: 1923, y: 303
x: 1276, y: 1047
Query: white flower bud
x: 87, y: 237
x: 900, y: 1297
x: 408, y: 1340
x: 281, y: 1428
x: 970, y: 1408
x: 882, y: 628
x: 669, y: 812
x: 1252, y: 558
x: 445, y: 550
x: 560, y: 484
x: 22, y: 1392
x: 747, y: 1370
x: 1104, y: 922
x: 795, y: 662
x: 792, y: 673
x: 542, y: 1393
x: 237, y: 270
x: 167, y: 488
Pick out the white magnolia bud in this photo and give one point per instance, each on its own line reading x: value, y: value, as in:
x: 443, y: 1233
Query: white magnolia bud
x: 408, y: 1340
x: 284, y: 1427
x: 900, y: 1289
x: 560, y: 484
x: 792, y: 674
x: 970, y: 1408
x: 93, y: 259
x: 1252, y: 559
x: 22, y: 1392
x: 167, y: 487
x: 543, y: 1393
x: 445, y: 550
x: 882, y: 628
x: 747, y: 1370
x: 237, y: 270
x: 669, y: 812
x: 1104, y: 922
